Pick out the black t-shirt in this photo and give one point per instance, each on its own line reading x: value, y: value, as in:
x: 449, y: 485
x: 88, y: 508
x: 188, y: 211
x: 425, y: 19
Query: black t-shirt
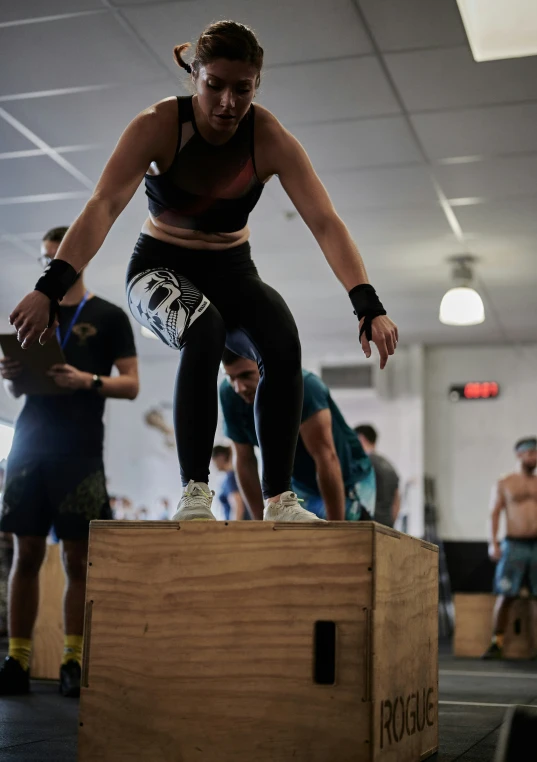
x: 72, y: 424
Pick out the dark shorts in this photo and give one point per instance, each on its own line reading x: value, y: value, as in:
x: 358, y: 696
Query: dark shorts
x: 65, y: 493
x: 517, y: 565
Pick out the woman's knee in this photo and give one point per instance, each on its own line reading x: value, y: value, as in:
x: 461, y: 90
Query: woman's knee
x: 284, y: 352
x: 281, y: 342
x: 208, y: 328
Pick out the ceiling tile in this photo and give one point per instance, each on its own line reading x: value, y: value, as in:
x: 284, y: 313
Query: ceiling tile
x: 505, y: 254
x: 369, y: 164
x: 90, y: 163
x: 444, y: 79
x: 24, y: 218
x: 423, y: 259
x: 490, y: 179
x: 367, y: 143
x: 479, y: 132
x: 32, y: 176
x: 85, y: 50
x: 381, y: 188
x: 400, y: 25
x: 37, y: 9
x: 510, y: 217
x: 305, y: 93
x: 134, y: 3
x: 89, y: 117
x: 288, y: 31
x: 380, y: 227
x: 11, y: 139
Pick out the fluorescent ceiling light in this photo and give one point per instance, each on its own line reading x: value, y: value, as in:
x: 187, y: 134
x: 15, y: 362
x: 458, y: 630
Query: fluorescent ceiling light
x: 500, y: 28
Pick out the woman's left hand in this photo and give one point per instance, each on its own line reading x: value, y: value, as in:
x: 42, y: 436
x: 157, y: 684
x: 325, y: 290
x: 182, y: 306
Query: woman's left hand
x: 384, y: 334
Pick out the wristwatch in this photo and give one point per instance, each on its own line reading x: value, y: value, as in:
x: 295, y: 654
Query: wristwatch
x: 96, y: 382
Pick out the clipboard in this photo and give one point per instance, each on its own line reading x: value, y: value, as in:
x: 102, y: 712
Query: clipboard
x: 35, y: 361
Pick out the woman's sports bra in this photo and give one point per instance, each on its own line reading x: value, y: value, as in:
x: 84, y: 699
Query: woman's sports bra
x: 208, y: 188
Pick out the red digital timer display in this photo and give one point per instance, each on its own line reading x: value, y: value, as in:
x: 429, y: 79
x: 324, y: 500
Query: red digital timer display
x: 475, y: 390
x: 481, y: 390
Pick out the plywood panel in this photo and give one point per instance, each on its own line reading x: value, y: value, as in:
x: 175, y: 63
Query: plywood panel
x: 405, y: 647
x: 200, y: 642
x: 473, y: 626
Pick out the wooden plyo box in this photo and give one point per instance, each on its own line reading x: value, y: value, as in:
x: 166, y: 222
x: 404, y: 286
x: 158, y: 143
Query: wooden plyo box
x: 214, y: 642
x: 473, y: 626
x: 47, y: 641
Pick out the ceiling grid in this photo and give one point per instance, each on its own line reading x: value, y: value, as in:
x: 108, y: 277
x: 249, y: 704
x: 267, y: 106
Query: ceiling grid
x: 425, y: 153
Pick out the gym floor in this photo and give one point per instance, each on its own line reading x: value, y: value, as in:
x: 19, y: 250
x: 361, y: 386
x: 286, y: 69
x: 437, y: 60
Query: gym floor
x: 474, y: 696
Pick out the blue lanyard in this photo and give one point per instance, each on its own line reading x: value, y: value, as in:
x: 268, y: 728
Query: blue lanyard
x: 73, y: 322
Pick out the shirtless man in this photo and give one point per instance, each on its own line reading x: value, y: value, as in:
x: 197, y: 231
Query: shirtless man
x: 516, y: 494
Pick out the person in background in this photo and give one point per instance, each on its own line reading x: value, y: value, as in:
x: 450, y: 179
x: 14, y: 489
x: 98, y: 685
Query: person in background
x: 516, y: 495
x: 127, y: 509
x: 163, y: 509
x: 388, y: 500
x: 113, y: 506
x: 229, y: 494
x: 55, y: 474
x: 331, y: 474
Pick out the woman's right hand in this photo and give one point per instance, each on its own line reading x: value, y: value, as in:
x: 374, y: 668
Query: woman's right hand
x: 30, y: 317
x: 10, y: 369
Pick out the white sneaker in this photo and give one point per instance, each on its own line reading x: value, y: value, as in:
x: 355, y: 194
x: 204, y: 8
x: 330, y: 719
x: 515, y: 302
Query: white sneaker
x: 288, y: 509
x: 195, y: 503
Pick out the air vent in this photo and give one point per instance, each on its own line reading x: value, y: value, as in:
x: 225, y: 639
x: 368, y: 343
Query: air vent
x: 348, y: 376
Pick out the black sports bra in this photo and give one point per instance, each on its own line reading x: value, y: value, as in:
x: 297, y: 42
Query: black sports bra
x: 208, y: 188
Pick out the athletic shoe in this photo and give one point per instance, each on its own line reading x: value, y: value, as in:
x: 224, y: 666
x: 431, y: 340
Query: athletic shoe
x: 14, y: 680
x: 195, y: 503
x: 70, y: 675
x: 288, y: 509
x: 493, y: 652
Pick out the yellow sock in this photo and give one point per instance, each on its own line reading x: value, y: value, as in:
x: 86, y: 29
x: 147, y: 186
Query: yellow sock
x: 498, y: 639
x: 72, y: 648
x: 20, y: 649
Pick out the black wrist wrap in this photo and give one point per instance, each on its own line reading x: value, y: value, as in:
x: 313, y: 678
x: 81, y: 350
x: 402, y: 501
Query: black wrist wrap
x: 55, y: 282
x: 366, y: 305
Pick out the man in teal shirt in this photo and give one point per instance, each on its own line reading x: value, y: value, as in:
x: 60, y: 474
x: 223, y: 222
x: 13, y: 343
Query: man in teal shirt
x: 332, y: 473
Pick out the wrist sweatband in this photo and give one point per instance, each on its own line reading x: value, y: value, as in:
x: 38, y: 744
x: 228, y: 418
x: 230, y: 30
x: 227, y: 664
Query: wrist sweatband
x: 55, y: 282
x: 366, y: 305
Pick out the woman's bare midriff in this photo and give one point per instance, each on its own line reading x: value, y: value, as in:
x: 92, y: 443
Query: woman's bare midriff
x: 194, y: 239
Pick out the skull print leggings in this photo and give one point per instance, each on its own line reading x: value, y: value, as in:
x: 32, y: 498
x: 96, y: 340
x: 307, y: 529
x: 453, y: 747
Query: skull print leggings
x: 198, y: 301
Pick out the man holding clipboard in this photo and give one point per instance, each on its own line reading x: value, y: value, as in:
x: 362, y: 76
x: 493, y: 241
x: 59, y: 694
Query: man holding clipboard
x: 55, y: 475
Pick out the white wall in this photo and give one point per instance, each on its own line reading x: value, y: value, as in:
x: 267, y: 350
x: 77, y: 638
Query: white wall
x: 139, y: 464
x: 469, y: 445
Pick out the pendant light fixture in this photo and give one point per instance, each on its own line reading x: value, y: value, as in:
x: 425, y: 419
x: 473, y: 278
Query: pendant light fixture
x: 462, y: 305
